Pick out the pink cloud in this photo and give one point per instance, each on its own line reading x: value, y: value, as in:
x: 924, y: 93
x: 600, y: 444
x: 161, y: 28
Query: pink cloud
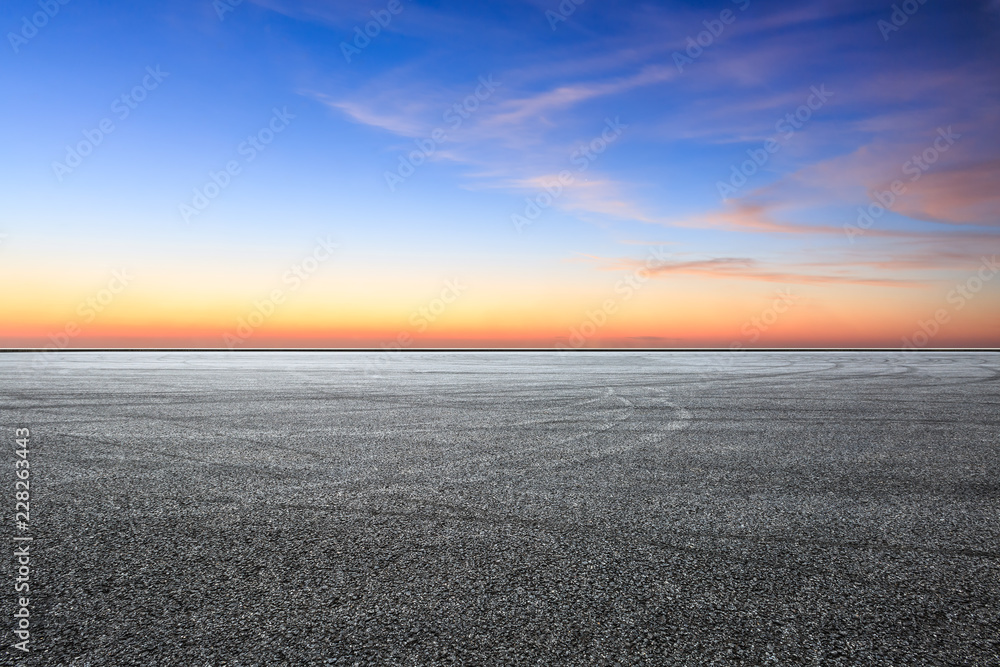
x: 745, y: 268
x: 962, y: 195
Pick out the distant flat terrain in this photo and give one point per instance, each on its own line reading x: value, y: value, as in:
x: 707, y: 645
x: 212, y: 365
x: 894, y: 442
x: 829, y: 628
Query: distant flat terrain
x: 508, y: 508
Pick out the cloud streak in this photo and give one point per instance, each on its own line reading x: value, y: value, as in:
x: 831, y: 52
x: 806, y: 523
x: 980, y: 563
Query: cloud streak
x: 744, y: 268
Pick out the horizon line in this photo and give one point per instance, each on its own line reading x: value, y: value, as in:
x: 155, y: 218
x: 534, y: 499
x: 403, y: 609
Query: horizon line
x: 498, y: 349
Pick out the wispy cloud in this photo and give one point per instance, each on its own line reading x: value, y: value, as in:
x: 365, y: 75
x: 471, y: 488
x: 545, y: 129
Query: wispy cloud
x: 744, y: 268
x: 534, y: 107
x: 396, y: 123
x: 966, y: 194
x: 520, y: 140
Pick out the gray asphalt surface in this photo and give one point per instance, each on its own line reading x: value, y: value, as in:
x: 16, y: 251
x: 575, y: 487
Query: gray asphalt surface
x: 488, y: 508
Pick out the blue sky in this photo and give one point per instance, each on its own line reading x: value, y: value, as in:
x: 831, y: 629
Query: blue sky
x: 662, y: 137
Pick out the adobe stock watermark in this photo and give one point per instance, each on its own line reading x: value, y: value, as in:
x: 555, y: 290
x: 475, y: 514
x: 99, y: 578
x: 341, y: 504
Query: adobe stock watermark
x: 565, y: 9
x: 223, y: 7
x: 22, y: 540
x: 121, y: 107
x: 292, y: 279
x: 625, y: 289
x: 248, y: 150
x: 88, y: 309
x: 915, y: 168
x: 582, y: 158
x: 420, y: 319
x: 713, y: 30
x: 899, y: 17
x: 755, y: 326
x: 381, y: 18
x: 957, y: 298
x: 37, y: 21
x: 424, y: 316
x: 454, y: 116
x: 786, y: 128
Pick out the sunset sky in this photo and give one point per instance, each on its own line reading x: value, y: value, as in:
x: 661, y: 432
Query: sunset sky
x: 525, y: 173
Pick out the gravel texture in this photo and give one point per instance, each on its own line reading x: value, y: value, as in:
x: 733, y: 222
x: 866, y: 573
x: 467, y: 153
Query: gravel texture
x: 835, y: 508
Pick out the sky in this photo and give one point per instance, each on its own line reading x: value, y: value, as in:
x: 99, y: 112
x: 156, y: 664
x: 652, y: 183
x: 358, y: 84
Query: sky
x: 528, y: 173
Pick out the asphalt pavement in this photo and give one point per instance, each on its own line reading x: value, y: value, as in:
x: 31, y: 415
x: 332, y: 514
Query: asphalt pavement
x: 485, y: 508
